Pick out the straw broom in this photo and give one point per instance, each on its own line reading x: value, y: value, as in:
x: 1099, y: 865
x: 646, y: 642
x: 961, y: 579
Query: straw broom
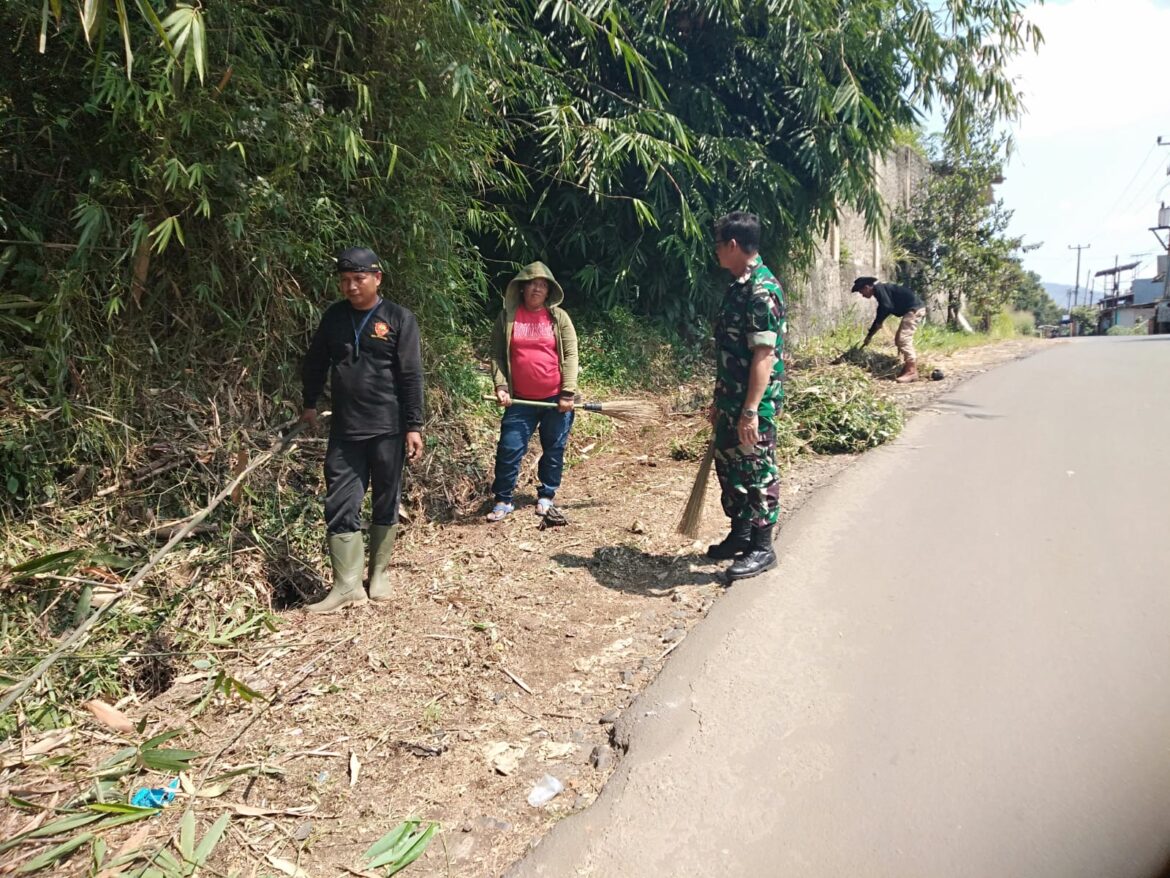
x: 631, y: 411
x: 692, y: 516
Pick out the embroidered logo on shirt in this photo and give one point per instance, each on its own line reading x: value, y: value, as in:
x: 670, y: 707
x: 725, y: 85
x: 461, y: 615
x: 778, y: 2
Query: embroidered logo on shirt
x: 381, y: 329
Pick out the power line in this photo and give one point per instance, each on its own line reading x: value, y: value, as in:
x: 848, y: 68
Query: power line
x: 1137, y: 196
x: 1141, y: 167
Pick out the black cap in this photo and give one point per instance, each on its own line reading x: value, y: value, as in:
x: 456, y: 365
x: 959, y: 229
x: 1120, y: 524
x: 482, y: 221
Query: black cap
x: 863, y: 282
x: 358, y: 259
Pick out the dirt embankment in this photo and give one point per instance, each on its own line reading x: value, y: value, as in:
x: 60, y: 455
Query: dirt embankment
x: 507, y: 655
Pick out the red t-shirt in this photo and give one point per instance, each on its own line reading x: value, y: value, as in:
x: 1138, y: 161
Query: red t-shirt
x: 536, y: 368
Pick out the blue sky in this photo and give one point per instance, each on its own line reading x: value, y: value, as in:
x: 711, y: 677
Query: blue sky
x: 1085, y: 168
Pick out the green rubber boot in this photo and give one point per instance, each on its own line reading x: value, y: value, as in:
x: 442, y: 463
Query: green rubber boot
x: 381, y: 548
x: 345, y: 552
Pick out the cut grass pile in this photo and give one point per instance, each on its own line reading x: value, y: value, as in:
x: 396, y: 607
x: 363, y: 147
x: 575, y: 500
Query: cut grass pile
x: 836, y: 410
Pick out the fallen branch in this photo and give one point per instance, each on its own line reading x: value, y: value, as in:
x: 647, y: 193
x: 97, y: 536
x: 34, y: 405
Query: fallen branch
x: 16, y: 690
x: 157, y: 470
x: 517, y: 680
x: 278, y: 697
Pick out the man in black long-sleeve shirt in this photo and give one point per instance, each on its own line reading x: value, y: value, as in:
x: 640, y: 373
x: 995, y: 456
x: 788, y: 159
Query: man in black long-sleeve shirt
x: 369, y: 349
x: 901, y: 302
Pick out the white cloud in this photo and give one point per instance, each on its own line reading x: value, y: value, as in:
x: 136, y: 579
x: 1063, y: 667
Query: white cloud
x: 1102, y: 61
x: 1086, y: 169
x: 1123, y: 223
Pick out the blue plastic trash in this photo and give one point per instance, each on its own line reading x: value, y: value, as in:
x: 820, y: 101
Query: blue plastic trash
x: 155, y: 797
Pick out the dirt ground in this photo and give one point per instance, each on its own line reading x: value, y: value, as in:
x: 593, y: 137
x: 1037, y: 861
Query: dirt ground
x: 506, y: 656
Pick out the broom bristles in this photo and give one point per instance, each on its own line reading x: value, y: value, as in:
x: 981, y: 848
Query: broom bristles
x: 692, y: 516
x: 632, y: 411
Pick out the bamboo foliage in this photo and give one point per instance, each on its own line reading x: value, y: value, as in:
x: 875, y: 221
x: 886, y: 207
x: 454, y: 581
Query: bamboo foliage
x: 172, y: 196
x: 776, y: 107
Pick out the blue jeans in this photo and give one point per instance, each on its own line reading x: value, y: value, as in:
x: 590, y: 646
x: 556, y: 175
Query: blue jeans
x: 516, y: 428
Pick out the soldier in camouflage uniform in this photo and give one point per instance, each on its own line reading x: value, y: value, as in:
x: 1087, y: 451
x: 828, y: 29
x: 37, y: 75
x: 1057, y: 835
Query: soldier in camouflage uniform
x: 749, y: 339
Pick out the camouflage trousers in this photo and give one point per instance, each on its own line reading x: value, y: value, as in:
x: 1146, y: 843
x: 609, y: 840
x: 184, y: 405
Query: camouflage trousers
x: 748, y: 476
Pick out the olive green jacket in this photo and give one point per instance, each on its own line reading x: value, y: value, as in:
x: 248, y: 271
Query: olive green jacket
x: 562, y: 327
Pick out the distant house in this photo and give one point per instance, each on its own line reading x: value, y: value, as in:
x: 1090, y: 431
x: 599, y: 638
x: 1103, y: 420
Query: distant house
x: 1130, y: 309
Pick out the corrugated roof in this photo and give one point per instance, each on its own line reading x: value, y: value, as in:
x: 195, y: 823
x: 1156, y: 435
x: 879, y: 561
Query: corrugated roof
x: 1130, y: 267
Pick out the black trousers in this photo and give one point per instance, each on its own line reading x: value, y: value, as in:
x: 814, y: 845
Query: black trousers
x: 350, y: 466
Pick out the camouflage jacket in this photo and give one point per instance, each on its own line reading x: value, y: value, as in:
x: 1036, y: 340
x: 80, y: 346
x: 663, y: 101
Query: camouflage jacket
x: 752, y: 314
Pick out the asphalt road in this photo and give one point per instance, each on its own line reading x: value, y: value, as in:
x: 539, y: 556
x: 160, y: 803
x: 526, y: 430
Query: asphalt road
x: 960, y: 668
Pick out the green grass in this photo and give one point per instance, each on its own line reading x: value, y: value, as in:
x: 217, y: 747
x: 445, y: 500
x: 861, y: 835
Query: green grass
x: 1139, y: 329
x: 938, y: 339
x: 881, y: 357
x: 1022, y: 323
x: 620, y: 353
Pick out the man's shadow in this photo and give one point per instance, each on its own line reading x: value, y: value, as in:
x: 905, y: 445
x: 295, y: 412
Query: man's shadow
x: 634, y: 571
x: 292, y: 580
x: 876, y: 363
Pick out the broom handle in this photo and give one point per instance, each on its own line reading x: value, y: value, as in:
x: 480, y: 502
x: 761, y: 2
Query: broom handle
x: 588, y: 406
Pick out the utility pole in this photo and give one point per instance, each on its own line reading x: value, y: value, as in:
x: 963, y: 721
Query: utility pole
x: 1164, y: 223
x: 1089, y: 285
x: 1078, y: 248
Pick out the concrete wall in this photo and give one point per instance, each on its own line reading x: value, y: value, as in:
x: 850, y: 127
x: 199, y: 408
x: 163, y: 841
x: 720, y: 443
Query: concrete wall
x: 1127, y: 317
x: 821, y: 299
x: 1147, y: 290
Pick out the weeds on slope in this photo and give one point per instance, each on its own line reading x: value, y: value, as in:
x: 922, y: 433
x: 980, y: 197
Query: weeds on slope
x: 831, y: 403
x: 98, y: 511
x: 93, y: 523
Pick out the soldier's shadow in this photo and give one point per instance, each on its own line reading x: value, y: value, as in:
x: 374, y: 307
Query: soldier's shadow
x: 634, y: 571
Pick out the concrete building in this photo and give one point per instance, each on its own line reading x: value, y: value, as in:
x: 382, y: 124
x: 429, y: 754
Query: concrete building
x: 1124, y: 314
x: 1136, y: 306
x: 1147, y: 290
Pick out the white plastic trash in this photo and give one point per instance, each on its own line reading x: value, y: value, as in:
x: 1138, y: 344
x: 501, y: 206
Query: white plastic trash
x: 545, y: 791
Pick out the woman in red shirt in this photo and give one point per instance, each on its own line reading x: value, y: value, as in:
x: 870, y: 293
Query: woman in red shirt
x: 534, y: 356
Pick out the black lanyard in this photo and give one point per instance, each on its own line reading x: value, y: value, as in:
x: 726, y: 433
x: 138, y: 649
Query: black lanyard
x: 357, y: 330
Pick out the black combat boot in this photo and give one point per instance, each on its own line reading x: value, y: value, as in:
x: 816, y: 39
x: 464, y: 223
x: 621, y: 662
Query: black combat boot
x: 759, y: 557
x: 735, y: 543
